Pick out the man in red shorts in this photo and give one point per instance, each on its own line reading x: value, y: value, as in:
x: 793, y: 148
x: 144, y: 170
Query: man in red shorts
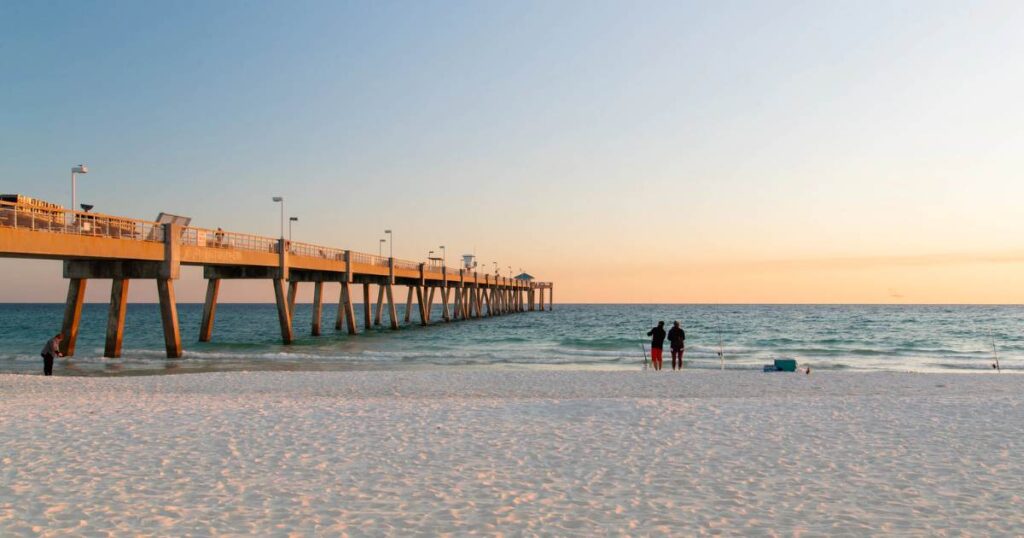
x: 657, y: 335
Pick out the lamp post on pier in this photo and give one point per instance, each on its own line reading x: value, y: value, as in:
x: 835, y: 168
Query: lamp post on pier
x: 391, y: 243
x: 444, y: 256
x: 75, y: 170
x: 280, y: 200
x: 380, y: 248
x: 290, y: 221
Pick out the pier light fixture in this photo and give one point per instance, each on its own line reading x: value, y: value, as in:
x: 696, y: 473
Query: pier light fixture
x: 444, y: 256
x: 75, y: 170
x: 290, y: 221
x: 380, y: 248
x: 391, y: 243
x: 280, y: 200
x: 87, y: 207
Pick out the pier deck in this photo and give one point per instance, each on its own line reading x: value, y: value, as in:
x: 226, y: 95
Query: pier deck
x: 96, y: 246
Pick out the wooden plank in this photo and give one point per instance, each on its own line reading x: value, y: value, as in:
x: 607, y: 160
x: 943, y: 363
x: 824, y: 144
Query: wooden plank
x: 115, y: 317
x: 209, y: 310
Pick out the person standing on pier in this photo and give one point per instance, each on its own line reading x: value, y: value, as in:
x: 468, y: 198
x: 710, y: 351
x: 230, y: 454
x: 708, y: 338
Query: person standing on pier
x: 657, y: 335
x: 677, y: 339
x: 51, y: 349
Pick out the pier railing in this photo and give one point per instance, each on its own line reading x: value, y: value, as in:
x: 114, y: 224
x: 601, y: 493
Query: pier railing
x: 201, y: 237
x: 316, y: 251
x: 65, y: 221
x: 59, y: 220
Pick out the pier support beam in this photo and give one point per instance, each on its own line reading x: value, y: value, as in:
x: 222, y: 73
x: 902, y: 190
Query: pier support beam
x: 72, y: 315
x: 318, y: 307
x: 367, y: 308
x: 209, y: 309
x: 115, y: 317
x: 339, y: 320
x: 392, y: 311
x: 169, y: 317
x: 350, y: 307
x: 347, y: 305
x: 446, y: 314
x: 293, y: 290
x: 378, y: 316
x: 457, y: 306
x: 284, y: 314
x: 540, y: 298
x: 419, y: 301
x: 408, y: 305
x: 430, y: 302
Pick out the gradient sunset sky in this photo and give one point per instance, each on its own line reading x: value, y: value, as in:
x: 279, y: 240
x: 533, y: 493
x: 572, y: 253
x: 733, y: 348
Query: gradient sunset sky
x: 738, y: 152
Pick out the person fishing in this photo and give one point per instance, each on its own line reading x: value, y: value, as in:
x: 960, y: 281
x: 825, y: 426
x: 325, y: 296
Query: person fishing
x: 677, y: 339
x: 657, y: 335
x: 51, y: 349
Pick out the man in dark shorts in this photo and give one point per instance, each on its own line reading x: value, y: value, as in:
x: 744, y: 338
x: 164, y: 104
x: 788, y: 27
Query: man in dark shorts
x: 657, y: 335
x: 677, y: 339
x: 51, y: 349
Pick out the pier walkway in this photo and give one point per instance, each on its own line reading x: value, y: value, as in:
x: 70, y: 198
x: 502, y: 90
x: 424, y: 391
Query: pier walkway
x: 96, y: 246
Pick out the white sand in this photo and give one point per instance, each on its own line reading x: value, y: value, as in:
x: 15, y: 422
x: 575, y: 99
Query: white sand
x: 552, y: 453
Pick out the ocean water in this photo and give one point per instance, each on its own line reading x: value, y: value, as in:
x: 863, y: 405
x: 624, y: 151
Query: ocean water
x: 246, y: 336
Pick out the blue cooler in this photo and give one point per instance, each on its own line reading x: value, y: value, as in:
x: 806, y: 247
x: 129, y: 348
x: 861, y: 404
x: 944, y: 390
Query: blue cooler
x: 785, y: 365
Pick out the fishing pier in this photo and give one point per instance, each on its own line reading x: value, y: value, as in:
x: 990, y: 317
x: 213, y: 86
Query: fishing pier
x: 97, y: 246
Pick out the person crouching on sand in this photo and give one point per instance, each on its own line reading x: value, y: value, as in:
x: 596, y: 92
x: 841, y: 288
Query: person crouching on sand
x: 657, y: 335
x: 677, y: 339
x: 51, y: 349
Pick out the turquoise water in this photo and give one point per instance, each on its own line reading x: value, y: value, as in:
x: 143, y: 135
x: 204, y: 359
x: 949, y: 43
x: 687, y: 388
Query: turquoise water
x: 899, y: 338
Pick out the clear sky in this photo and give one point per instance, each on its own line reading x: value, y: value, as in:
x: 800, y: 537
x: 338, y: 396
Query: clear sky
x: 846, y: 151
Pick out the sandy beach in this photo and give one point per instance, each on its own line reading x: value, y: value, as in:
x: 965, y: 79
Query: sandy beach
x: 512, y: 453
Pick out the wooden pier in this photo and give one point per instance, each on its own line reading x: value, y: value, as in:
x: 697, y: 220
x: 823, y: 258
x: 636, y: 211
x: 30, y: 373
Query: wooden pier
x: 95, y: 246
